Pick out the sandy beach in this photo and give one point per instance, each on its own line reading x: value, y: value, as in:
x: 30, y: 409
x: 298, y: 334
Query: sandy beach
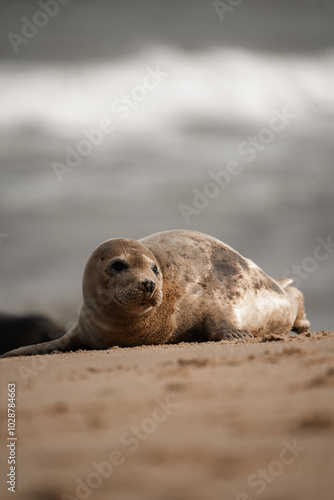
x: 189, y: 421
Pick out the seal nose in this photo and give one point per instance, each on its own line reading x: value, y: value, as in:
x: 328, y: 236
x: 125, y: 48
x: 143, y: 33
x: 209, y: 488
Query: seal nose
x: 149, y: 286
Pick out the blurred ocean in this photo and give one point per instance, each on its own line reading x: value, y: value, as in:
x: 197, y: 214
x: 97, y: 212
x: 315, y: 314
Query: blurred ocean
x: 215, y: 87
x: 208, y: 102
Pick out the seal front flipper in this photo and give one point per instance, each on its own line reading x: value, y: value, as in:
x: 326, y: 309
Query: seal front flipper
x: 237, y: 334
x: 223, y: 330
x: 69, y: 342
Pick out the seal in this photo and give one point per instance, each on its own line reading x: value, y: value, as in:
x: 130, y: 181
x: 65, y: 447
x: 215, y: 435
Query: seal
x: 176, y: 286
x: 20, y: 330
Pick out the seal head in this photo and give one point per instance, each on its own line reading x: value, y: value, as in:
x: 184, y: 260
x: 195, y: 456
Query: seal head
x: 122, y: 283
x: 124, y: 274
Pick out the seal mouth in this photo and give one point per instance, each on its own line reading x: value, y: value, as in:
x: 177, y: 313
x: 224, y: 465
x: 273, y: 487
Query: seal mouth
x: 131, y: 305
x: 119, y: 302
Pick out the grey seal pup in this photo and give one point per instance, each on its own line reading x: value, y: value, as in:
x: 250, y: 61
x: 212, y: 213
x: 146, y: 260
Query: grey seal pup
x: 20, y: 330
x: 175, y: 286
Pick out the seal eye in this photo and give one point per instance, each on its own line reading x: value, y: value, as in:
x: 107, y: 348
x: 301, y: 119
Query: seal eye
x: 155, y: 269
x: 118, y: 266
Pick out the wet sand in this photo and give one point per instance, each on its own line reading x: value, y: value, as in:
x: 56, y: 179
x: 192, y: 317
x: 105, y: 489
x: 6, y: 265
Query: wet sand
x: 190, y: 421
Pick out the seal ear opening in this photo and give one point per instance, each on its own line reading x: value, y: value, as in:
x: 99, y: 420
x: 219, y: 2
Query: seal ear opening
x: 69, y: 342
x: 284, y: 282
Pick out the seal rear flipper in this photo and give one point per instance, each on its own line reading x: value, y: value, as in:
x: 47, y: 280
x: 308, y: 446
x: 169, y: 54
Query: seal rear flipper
x: 284, y: 282
x: 300, y: 323
x: 69, y: 342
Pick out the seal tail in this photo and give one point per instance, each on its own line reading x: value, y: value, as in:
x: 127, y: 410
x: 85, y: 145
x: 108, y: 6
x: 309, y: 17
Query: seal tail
x: 69, y: 342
